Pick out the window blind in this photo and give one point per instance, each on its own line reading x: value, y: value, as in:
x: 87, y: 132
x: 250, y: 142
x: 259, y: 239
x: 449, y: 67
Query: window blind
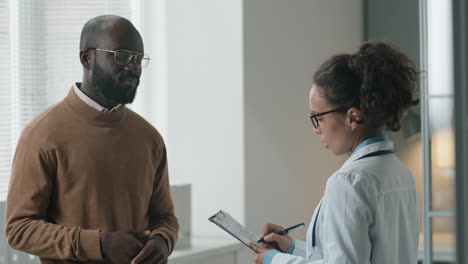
x: 5, y: 95
x: 39, y: 41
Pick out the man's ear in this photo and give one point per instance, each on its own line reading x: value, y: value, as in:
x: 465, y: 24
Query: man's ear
x: 86, y: 58
x: 354, y: 117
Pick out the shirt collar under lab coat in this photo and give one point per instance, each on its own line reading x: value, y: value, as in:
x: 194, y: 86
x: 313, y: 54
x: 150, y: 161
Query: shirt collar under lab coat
x: 369, y: 146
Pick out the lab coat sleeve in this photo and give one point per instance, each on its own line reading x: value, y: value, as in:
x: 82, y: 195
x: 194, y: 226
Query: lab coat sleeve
x: 299, y: 248
x: 282, y: 258
x: 345, y: 224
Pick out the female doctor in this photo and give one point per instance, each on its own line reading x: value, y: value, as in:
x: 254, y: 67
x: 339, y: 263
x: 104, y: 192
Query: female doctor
x: 369, y: 211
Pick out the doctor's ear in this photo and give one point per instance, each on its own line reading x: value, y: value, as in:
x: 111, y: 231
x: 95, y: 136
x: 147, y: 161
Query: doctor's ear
x: 355, y: 117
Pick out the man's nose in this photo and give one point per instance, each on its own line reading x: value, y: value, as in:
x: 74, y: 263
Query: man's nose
x: 133, y: 67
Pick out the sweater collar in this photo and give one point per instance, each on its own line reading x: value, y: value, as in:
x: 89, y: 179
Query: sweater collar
x: 91, y: 102
x: 91, y: 114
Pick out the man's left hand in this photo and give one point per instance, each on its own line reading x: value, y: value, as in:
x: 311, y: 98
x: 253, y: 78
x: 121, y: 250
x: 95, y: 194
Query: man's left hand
x: 261, y: 252
x: 155, y: 251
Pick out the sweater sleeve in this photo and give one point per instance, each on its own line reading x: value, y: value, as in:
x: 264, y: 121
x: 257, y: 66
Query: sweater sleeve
x: 162, y: 220
x: 28, y: 228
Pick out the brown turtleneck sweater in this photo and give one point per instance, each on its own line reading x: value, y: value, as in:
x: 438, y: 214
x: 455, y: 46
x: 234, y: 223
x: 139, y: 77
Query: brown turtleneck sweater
x: 78, y: 171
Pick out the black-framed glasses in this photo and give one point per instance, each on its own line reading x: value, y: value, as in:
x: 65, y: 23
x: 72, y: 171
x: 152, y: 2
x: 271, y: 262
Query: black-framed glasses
x: 124, y: 57
x: 314, y: 120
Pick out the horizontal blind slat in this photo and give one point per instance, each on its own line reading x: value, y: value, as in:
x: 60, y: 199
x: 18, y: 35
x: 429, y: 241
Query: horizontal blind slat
x: 44, y: 64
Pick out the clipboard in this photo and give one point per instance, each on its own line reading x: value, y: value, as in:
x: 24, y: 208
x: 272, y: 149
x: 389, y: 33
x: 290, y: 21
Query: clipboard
x: 226, y: 222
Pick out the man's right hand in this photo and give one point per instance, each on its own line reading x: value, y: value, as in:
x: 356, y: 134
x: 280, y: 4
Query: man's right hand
x: 122, y: 247
x: 275, y: 241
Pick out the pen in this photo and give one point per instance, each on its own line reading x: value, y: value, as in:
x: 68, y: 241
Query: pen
x: 285, y: 231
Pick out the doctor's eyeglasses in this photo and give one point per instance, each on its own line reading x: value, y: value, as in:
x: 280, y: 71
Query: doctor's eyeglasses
x: 315, y: 121
x: 124, y: 57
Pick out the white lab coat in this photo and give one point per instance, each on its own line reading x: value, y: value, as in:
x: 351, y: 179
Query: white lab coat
x: 368, y: 214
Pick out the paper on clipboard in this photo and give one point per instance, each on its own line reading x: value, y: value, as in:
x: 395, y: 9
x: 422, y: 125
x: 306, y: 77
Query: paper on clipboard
x: 234, y: 228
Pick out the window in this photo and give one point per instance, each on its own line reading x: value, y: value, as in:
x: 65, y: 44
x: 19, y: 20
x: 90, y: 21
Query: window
x: 438, y: 133
x: 5, y: 101
x: 40, y: 44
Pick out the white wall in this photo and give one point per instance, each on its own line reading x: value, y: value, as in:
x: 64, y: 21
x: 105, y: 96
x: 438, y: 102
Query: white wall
x: 238, y: 78
x: 205, y: 106
x: 286, y: 166
x: 150, y: 18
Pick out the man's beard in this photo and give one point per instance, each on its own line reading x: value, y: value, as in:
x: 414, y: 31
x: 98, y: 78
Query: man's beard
x: 108, y: 87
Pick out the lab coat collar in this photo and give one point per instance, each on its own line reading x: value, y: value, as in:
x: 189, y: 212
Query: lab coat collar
x: 367, y: 149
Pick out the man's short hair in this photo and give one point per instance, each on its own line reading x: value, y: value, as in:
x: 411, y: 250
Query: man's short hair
x: 96, y: 26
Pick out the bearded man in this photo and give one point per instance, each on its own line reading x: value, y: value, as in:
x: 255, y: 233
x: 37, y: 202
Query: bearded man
x: 89, y: 181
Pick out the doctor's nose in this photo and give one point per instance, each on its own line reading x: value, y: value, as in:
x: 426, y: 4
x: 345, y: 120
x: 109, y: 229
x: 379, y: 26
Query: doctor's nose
x: 317, y: 130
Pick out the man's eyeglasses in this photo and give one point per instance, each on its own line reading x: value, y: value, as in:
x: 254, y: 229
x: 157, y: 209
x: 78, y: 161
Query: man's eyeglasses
x: 314, y: 120
x: 124, y: 57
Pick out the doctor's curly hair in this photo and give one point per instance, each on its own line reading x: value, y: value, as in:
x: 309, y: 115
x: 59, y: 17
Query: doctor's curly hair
x: 378, y: 79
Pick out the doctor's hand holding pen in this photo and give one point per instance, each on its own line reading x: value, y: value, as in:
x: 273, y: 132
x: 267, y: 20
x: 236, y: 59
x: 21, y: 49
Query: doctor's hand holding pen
x: 273, y: 237
x: 272, y: 240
